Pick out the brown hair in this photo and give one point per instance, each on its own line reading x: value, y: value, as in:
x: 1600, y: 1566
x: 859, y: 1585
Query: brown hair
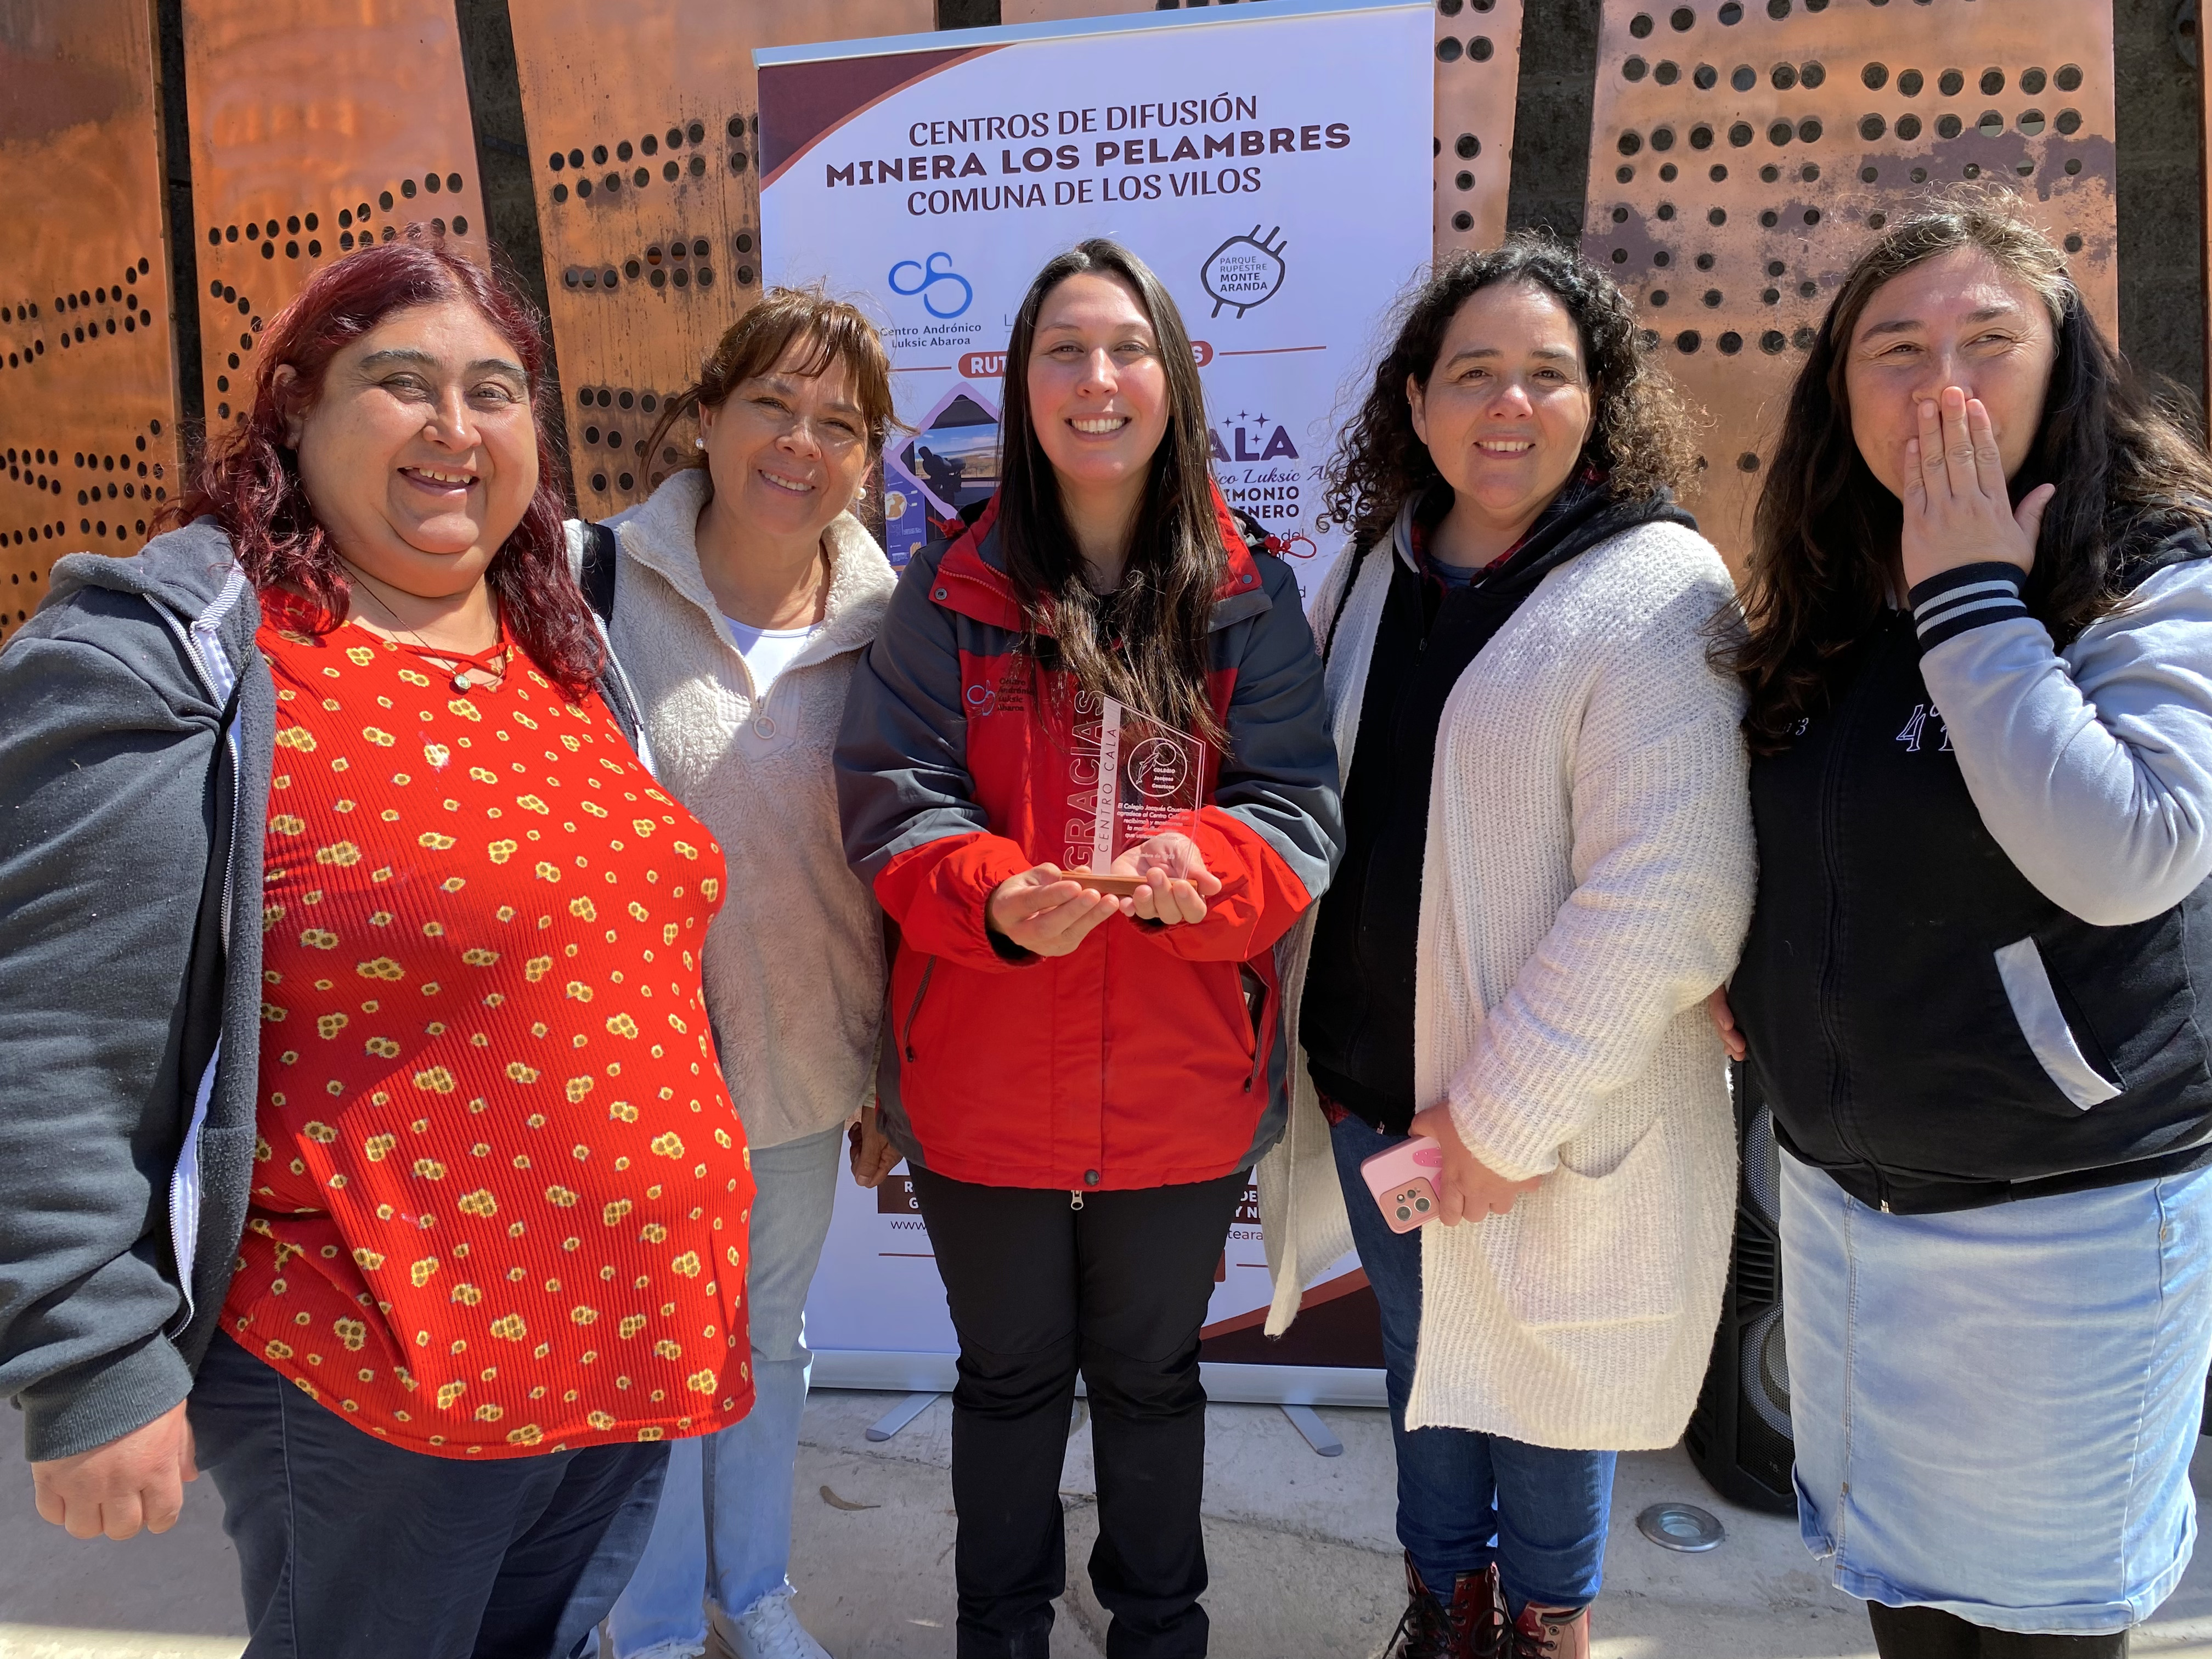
x: 1825, y: 527
x: 838, y: 332
x: 1163, y: 609
x: 1639, y: 438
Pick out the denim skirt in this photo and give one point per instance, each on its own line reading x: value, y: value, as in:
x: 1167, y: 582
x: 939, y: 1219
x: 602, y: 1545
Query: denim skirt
x: 1994, y: 1409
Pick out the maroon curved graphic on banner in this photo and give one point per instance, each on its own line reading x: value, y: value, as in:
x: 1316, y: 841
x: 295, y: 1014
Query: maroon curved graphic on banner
x: 1339, y: 1324
x: 802, y: 103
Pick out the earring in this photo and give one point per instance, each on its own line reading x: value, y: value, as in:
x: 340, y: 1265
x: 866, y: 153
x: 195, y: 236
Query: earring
x: 698, y: 443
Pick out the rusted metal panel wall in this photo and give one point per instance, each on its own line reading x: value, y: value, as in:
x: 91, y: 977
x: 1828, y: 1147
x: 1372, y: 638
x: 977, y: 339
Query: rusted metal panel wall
x: 87, y: 382
x: 317, y: 126
x: 1742, y: 154
x: 643, y: 123
x: 1478, y: 53
x: 1478, y: 71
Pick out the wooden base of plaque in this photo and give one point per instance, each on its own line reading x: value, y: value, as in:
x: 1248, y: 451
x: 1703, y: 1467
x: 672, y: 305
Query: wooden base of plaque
x: 1119, y: 886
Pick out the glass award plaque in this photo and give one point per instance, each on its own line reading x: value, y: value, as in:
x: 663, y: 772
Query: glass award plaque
x: 1152, y: 780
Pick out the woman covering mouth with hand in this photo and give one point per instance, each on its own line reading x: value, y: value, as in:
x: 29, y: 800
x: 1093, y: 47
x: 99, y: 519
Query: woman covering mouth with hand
x: 1979, y: 674
x: 742, y: 594
x: 1080, y: 1082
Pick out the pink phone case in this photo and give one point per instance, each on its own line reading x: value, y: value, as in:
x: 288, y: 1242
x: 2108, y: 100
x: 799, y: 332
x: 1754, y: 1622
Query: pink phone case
x: 1401, y: 1179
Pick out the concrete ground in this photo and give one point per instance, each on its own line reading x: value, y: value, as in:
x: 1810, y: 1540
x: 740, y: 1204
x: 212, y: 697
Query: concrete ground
x: 1303, y: 1561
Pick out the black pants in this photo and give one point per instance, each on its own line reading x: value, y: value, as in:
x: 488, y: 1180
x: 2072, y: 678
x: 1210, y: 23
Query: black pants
x: 1931, y: 1633
x: 350, y: 1547
x: 1039, y: 1290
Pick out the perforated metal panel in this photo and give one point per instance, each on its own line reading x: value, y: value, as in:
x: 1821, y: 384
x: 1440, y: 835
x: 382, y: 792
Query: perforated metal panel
x: 317, y: 126
x: 643, y: 123
x: 1477, y: 63
x: 1742, y: 155
x: 88, y: 385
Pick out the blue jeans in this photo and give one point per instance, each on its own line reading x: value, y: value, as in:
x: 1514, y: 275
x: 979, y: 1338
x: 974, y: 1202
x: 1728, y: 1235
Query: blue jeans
x: 350, y: 1547
x: 724, y: 1533
x: 1465, y: 1499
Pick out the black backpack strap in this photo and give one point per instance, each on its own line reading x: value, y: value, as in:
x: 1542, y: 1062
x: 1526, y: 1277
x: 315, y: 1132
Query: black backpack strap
x: 596, y: 578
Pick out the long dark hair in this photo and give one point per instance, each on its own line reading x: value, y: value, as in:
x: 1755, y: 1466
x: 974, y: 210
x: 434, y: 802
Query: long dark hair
x: 1640, y: 439
x: 248, y: 481
x: 1163, y: 610
x: 836, y: 333
x: 1825, y: 528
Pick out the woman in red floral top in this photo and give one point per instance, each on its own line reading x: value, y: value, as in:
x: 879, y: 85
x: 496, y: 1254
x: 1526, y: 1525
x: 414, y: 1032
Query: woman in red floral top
x: 500, y: 1196
x: 487, y: 1254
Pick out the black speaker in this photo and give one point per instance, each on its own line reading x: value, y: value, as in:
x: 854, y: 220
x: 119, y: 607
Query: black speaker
x: 1738, y: 1436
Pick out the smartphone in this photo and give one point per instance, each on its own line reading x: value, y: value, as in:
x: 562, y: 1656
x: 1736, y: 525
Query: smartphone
x: 1402, y: 1180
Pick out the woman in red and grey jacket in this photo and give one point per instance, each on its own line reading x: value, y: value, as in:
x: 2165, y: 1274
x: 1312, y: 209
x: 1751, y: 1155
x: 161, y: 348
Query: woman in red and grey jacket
x: 1079, y: 1081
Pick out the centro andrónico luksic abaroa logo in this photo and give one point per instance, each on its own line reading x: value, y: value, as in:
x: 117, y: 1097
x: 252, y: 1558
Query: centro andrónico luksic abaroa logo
x: 936, y: 281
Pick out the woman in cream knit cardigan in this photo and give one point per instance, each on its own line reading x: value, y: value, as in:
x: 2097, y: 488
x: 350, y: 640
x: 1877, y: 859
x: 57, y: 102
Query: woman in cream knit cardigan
x: 1548, y: 869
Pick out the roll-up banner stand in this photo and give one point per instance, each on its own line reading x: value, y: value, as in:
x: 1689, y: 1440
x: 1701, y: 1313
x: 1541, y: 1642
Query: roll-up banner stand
x: 1273, y: 164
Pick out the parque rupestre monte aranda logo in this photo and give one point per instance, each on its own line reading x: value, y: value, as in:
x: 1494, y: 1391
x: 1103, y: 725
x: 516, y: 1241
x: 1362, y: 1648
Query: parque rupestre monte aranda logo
x: 1245, y: 271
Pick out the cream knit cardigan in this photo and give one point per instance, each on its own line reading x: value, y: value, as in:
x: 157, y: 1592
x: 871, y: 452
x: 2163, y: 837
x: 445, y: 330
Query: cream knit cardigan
x: 1587, y: 884
x: 794, y: 963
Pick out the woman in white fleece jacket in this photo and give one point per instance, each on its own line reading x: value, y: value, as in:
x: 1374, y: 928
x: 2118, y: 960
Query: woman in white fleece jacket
x: 745, y: 591
x: 1548, y: 869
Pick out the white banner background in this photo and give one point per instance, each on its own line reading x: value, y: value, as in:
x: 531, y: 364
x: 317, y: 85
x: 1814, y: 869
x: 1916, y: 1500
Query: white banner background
x: 1271, y: 165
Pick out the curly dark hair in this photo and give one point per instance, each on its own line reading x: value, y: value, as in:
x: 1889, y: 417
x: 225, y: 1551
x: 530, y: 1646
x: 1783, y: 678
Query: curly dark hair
x: 1826, y: 530
x: 1640, y: 439
x: 248, y: 481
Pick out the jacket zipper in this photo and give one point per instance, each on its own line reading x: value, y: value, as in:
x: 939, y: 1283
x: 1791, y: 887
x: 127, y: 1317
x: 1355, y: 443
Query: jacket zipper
x: 1848, y: 721
x: 913, y: 1012
x: 221, y: 680
x: 189, y: 636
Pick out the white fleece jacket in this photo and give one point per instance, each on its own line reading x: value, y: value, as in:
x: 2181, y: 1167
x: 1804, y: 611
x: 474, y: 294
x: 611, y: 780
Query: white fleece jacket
x: 794, y: 963
x: 1587, y: 884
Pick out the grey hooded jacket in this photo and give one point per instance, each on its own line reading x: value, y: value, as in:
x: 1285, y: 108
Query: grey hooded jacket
x: 137, y: 723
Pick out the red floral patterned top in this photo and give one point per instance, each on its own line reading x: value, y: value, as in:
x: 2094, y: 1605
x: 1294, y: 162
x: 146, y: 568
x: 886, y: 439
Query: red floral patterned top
x: 501, y: 1194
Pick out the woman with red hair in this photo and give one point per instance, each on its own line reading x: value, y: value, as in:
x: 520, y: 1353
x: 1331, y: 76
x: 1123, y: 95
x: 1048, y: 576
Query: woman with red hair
x: 357, y: 1083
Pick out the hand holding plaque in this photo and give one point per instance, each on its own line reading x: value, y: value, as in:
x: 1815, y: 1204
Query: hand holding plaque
x: 1173, y: 881
x: 1046, y: 911
x: 1139, y: 856
x: 1152, y: 782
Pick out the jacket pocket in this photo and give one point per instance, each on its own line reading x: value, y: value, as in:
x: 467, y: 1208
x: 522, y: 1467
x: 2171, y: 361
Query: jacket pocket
x: 914, y: 1009
x: 1258, y: 1010
x: 1597, y: 1249
x: 2043, y: 1022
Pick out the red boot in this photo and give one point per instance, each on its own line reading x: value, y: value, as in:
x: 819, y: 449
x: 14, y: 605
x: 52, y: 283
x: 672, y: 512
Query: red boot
x: 1542, y: 1632
x: 1473, y: 1626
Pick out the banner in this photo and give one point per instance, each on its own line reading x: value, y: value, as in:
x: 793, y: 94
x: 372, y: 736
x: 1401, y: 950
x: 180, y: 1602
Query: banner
x: 1286, y: 204
x: 877, y: 1316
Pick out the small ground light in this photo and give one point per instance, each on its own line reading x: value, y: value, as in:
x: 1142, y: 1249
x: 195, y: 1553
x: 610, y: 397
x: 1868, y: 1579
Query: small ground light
x: 1682, y: 1527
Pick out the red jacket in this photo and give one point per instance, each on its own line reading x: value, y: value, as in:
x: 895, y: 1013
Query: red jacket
x: 1150, y: 1055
